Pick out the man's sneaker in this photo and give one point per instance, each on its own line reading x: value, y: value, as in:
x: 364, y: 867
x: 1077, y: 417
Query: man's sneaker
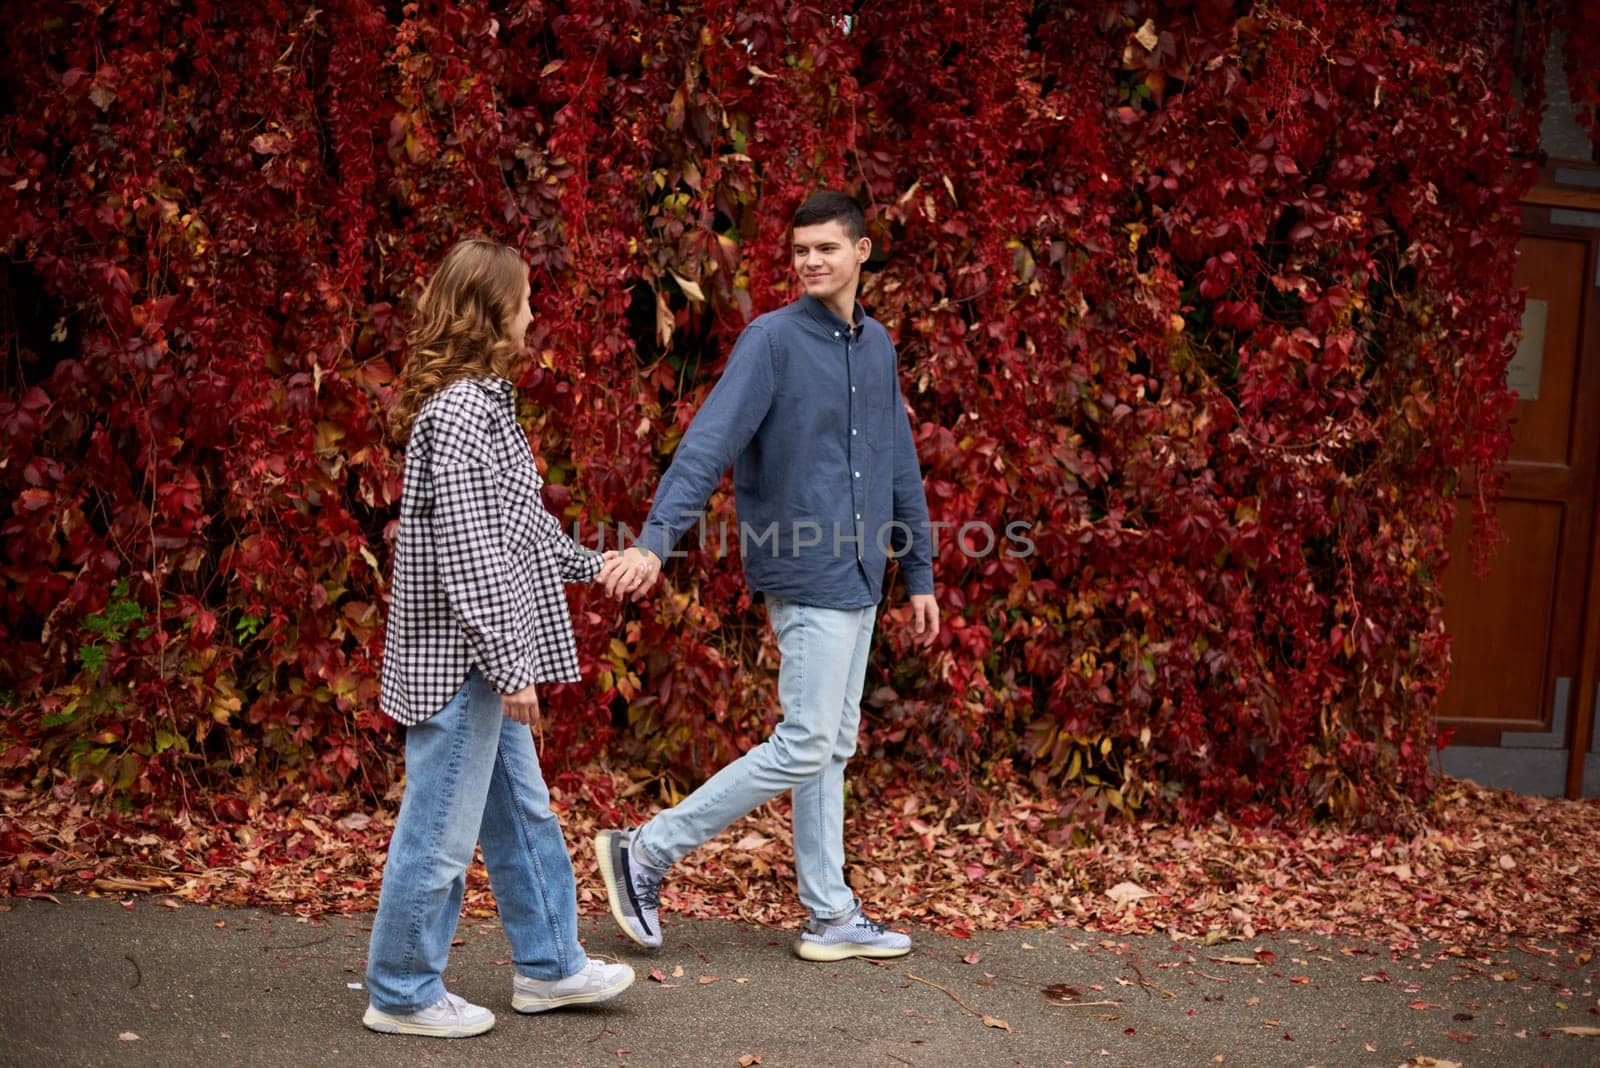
x: 596, y: 981
x: 449, y: 1017
x: 855, y: 937
x: 633, y: 889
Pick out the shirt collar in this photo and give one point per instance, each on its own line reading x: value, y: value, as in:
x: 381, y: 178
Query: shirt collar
x: 494, y: 385
x: 824, y: 315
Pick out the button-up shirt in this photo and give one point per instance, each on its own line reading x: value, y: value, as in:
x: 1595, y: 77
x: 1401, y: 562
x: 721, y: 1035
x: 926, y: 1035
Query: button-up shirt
x: 810, y: 414
x: 479, y: 564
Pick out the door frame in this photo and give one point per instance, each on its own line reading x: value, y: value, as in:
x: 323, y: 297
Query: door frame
x: 1565, y: 194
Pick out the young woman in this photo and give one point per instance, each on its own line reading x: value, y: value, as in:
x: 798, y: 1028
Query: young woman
x: 477, y: 617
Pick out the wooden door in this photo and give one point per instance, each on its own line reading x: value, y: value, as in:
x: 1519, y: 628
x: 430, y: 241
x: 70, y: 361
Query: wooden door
x: 1519, y: 635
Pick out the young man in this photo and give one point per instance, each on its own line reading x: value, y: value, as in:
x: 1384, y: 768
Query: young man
x: 810, y: 415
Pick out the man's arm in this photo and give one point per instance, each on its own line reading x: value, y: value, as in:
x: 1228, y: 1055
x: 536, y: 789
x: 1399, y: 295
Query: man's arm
x: 911, y: 508
x: 911, y: 505
x: 721, y: 429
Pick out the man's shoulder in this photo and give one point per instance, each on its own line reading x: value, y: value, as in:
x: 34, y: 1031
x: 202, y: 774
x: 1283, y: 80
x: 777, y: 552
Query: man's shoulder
x: 779, y: 320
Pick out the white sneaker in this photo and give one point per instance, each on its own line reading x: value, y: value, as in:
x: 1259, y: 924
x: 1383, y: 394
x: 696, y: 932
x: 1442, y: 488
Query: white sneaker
x: 594, y: 982
x: 449, y: 1017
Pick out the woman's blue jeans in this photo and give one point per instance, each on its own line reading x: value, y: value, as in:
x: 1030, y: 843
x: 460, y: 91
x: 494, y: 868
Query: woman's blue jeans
x: 472, y: 776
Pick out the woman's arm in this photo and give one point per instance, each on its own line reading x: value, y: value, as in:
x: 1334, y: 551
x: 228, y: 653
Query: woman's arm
x: 574, y: 563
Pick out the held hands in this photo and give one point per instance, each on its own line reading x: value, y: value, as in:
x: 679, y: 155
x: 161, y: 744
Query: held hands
x: 924, y: 618
x: 629, y: 573
x: 522, y: 706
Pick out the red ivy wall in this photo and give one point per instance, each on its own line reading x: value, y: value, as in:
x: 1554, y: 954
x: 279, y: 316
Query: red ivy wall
x: 1216, y: 297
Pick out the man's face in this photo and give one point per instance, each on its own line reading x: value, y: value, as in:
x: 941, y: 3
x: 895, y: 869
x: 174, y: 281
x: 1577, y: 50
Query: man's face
x: 827, y: 261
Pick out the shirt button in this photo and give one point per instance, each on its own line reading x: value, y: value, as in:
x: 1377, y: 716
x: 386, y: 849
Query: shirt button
x: 852, y: 389
x: 858, y: 474
x: 858, y: 515
x: 852, y: 431
x: 836, y: 333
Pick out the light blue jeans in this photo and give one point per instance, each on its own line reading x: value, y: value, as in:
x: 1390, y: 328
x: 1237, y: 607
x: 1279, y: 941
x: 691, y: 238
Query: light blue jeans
x: 472, y: 775
x: 824, y: 663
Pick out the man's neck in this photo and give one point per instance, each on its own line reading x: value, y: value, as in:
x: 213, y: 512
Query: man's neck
x: 843, y: 305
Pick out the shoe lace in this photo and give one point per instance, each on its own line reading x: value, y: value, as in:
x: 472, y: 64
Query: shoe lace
x: 871, y: 925
x: 649, y: 893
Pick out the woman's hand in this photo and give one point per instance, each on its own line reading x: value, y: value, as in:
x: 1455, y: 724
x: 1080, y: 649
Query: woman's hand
x: 629, y: 573
x: 522, y: 706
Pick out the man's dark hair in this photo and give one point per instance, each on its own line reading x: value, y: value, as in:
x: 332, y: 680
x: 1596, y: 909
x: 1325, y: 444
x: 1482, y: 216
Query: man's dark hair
x: 828, y: 206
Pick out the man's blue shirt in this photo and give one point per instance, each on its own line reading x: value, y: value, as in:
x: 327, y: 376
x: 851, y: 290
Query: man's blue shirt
x: 825, y: 475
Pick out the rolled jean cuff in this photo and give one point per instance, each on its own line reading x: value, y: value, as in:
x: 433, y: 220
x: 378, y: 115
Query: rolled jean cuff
x: 642, y: 850
x: 841, y: 917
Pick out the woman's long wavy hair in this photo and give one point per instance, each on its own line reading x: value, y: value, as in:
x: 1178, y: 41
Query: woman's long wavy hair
x: 459, y: 327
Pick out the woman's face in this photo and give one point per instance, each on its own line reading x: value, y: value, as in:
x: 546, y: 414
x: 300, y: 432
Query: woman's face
x: 521, y: 316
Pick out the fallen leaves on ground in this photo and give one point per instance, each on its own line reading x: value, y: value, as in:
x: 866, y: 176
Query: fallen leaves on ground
x: 910, y: 850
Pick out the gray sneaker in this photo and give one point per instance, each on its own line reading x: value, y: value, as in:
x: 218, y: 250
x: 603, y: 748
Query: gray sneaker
x: 633, y: 890
x: 855, y: 937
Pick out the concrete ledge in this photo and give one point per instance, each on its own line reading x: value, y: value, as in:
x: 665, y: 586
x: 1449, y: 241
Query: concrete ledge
x: 1539, y: 772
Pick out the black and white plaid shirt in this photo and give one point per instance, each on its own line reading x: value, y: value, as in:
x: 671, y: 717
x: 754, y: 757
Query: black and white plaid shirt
x: 479, y: 564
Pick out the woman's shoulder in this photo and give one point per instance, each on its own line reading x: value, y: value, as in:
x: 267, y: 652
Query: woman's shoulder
x: 466, y: 401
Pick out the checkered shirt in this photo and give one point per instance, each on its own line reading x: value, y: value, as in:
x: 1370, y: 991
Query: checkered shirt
x: 479, y: 563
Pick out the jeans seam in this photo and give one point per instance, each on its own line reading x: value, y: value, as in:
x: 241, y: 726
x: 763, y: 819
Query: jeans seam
x: 818, y: 828
x: 515, y: 798
x: 833, y: 756
x: 436, y: 832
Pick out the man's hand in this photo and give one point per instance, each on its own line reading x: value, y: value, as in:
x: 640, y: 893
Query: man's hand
x: 629, y: 573
x: 522, y: 706
x: 924, y: 618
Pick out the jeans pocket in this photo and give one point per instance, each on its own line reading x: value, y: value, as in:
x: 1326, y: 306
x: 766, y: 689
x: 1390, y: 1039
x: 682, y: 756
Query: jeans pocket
x: 779, y: 612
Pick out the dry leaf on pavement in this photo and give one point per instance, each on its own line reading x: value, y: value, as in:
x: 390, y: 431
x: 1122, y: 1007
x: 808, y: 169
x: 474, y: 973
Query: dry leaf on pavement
x: 1126, y: 893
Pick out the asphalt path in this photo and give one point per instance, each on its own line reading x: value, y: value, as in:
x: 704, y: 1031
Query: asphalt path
x: 125, y: 983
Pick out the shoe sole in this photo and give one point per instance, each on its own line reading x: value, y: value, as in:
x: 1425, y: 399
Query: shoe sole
x: 614, y: 890
x: 384, y: 1024
x: 525, y: 1004
x: 844, y: 951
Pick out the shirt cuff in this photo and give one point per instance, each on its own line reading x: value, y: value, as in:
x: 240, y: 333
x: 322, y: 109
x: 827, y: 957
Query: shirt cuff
x: 590, y: 566
x: 509, y: 681
x: 658, y: 539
